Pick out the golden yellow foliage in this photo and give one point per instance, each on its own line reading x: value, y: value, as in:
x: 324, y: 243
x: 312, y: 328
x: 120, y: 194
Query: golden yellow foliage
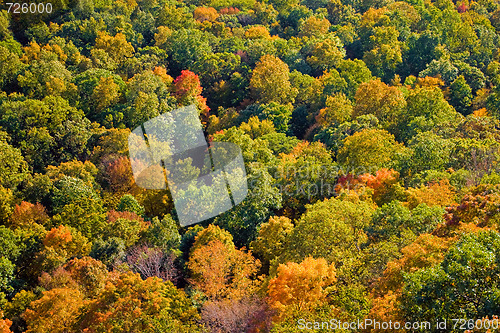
x: 435, y: 194
x: 256, y: 32
x: 116, y: 46
x: 202, y: 14
x: 56, y: 312
x: 222, y: 272
x: 301, y: 286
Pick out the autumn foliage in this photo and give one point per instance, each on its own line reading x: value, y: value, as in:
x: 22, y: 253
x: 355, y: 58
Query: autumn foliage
x: 301, y: 286
x: 370, y: 135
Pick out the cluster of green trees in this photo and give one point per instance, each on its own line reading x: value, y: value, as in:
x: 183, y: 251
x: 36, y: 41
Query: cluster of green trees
x: 370, y: 131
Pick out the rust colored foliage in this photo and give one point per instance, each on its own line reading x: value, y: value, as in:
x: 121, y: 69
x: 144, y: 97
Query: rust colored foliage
x: 348, y: 182
x: 119, y: 175
x: 112, y: 142
x: 125, y: 225
x: 89, y: 273
x: 481, y: 206
x: 229, y: 11
x: 162, y: 73
x: 86, y: 274
x: 61, y: 244
x: 27, y: 213
x: 5, y: 325
x: 114, y: 215
x: 59, y: 236
x: 383, y: 184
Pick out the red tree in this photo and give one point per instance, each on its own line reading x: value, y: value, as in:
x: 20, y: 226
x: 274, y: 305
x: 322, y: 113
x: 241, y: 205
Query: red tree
x: 187, y: 90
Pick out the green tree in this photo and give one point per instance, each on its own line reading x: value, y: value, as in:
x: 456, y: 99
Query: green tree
x: 68, y: 190
x: 13, y: 167
x: 48, y: 131
x: 186, y: 47
x: 461, y: 95
x: 46, y: 76
x: 279, y: 114
x: 163, y: 233
x: 429, y: 152
x: 385, y: 54
x: 85, y: 214
x: 129, y: 204
x: 394, y: 220
x: 10, y: 65
x: 466, y: 281
x: 426, y: 109
x: 332, y: 229
x: 242, y: 221
x: 88, y: 83
x: 443, y: 68
x: 346, y: 79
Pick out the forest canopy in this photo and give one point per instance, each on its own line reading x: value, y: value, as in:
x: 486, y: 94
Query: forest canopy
x: 370, y: 133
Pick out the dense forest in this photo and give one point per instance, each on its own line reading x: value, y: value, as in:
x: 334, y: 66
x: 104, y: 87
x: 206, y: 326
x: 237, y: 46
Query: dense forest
x: 370, y: 131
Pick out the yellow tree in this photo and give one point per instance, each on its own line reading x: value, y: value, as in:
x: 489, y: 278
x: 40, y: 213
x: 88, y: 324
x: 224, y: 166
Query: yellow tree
x: 272, y: 236
x: 110, y: 52
x: 314, y: 27
x: 377, y: 98
x: 202, y: 14
x: 221, y: 271
x: 256, y: 32
x: 338, y: 109
x: 130, y: 304
x: 301, y: 287
x: 106, y: 93
x: 434, y: 194
x: 371, y: 149
x: 270, y: 81
x: 55, y: 312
